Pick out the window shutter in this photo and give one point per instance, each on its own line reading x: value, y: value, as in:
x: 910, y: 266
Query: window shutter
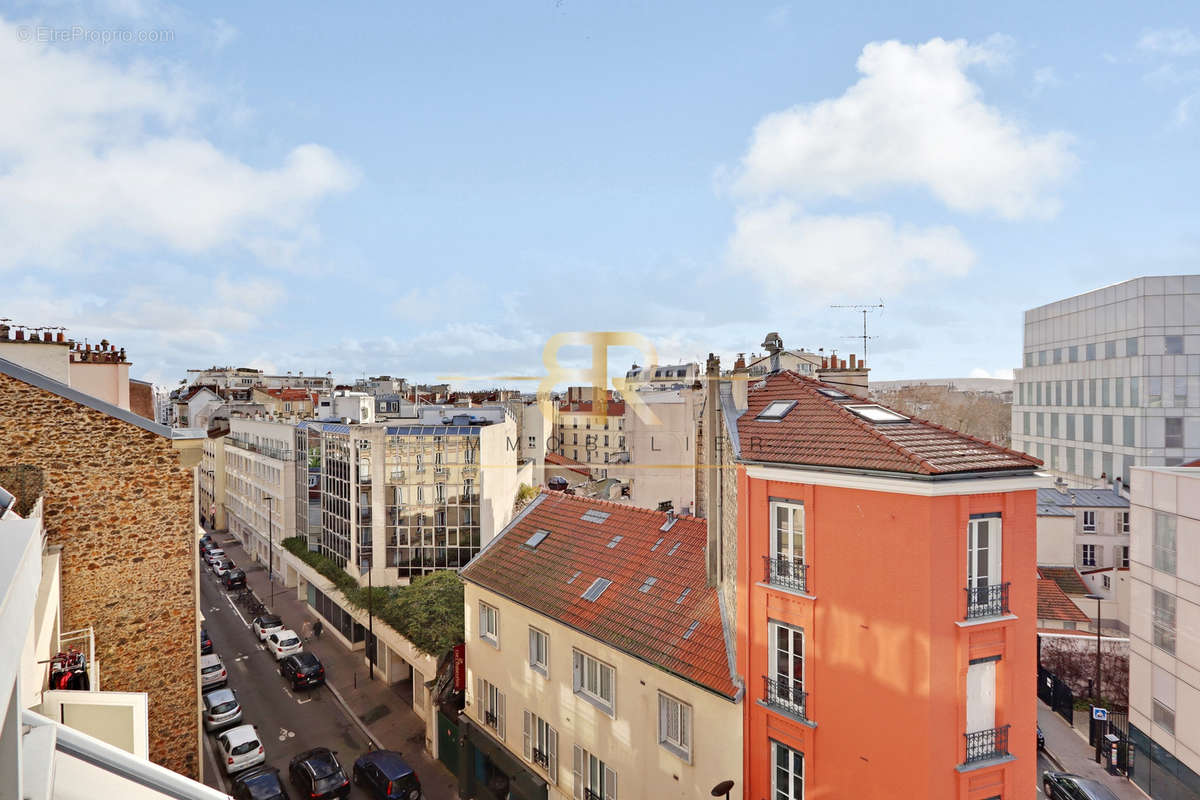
x: 552, y: 751
x: 577, y: 773
x: 526, y: 736
x: 500, y: 715
x: 610, y: 784
x: 482, y: 621
x: 663, y: 721
x: 532, y: 648
x: 480, y: 699
x: 578, y: 659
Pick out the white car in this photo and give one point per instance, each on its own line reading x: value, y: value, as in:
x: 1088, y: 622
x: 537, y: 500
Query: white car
x: 284, y: 643
x: 265, y: 625
x: 223, y: 566
x: 212, y: 671
x: 213, y: 556
x: 240, y: 748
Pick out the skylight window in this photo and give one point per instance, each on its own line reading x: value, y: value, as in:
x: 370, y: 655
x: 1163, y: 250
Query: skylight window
x: 615, y: 541
x: 776, y: 409
x: 683, y: 595
x: 834, y: 393
x: 537, y: 538
x: 649, y: 582
x: 691, y: 629
x: 592, y: 515
x: 571, y: 579
x: 596, y: 589
x: 875, y: 413
x: 674, y: 547
x: 656, y: 544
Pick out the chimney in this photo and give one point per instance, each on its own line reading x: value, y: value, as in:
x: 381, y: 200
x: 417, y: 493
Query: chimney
x: 740, y: 384
x: 852, y: 361
x: 712, y: 417
x: 1117, y: 482
x: 1061, y: 485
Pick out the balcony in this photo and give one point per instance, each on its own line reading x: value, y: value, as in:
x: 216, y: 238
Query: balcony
x: 987, y: 601
x: 787, y: 573
x: 588, y: 794
x: 491, y: 720
x: 986, y: 745
x: 541, y: 758
x: 784, y: 694
x: 470, y: 471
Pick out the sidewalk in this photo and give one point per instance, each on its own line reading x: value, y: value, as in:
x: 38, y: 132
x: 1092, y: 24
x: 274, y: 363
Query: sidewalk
x: 1069, y: 747
x: 383, y: 712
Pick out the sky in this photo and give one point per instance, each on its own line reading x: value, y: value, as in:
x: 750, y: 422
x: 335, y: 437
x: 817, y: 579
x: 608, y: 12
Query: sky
x: 431, y: 191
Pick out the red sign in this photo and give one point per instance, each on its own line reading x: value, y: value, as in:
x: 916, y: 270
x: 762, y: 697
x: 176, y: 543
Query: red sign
x: 460, y: 667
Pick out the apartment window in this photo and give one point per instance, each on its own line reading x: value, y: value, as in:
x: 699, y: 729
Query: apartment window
x: 1107, y: 582
x: 787, y: 668
x: 439, y: 492
x: 1163, y: 717
x: 1089, y: 466
x: 490, y: 706
x: 1154, y: 392
x: 1087, y: 555
x: 1173, y: 345
x: 541, y: 744
x: 594, y: 780
x: 1131, y: 346
x: 489, y: 624
x: 1070, y: 427
x: 1029, y: 359
x: 1164, y: 621
x: 1091, y: 352
x: 1119, y: 392
x: 1071, y: 460
x: 1104, y: 392
x: 675, y: 726
x: 1027, y: 429
x: 1089, y: 521
x: 1110, y: 349
x: 1054, y: 426
x: 787, y: 532
x: 1088, y: 429
x: 1124, y: 551
x: 1070, y: 394
x: 1181, y: 392
x: 1093, y: 397
x: 1106, y: 429
x: 469, y: 487
x: 420, y: 463
x: 1173, y: 432
x: 595, y: 681
x: 1041, y: 423
x: 1079, y: 392
x: 787, y: 773
x: 1073, y: 353
x: 1041, y: 358
x: 1133, y: 392
x: 539, y: 651
x: 1164, y: 542
x: 1128, y: 437
x: 1124, y: 522
x: 1058, y: 355
x: 1162, y: 694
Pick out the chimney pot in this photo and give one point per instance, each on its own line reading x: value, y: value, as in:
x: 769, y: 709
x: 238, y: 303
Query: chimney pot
x: 60, y: 336
x: 852, y: 361
x: 20, y: 336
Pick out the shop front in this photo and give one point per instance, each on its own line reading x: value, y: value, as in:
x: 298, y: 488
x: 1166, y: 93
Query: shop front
x: 488, y: 770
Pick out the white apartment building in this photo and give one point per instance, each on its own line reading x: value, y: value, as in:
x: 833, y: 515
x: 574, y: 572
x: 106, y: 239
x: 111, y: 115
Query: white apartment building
x: 659, y: 464
x: 210, y: 484
x: 246, y: 377
x: 260, y: 485
x: 1164, y: 659
x: 1110, y: 379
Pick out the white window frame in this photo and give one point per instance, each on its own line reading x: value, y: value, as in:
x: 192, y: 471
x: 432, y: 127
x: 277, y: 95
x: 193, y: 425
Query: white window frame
x: 994, y: 563
x: 592, y: 777
x: 783, y: 542
x: 489, y: 624
x: 1089, y: 521
x: 795, y: 782
x: 1124, y: 522
x: 1087, y: 555
x: 1164, y: 620
x: 539, y: 651
x: 675, y: 726
x: 489, y: 699
x: 1164, y: 543
x: 589, y: 681
x: 1107, y: 581
x: 794, y: 683
x: 540, y: 735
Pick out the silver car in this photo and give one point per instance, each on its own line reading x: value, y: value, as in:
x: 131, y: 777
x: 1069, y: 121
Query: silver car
x: 221, y: 709
x: 212, y: 671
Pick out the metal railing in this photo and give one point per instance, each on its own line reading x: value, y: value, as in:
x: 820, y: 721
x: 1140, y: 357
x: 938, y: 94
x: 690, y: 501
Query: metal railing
x: 541, y: 758
x: 588, y: 794
x: 491, y: 719
x: 987, y: 601
x: 986, y: 744
x: 785, y: 693
x: 788, y: 573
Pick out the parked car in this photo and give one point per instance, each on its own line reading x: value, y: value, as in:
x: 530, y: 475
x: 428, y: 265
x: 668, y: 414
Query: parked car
x: 221, y: 709
x: 206, y: 541
x: 240, y: 748
x: 386, y: 776
x: 223, y: 565
x: 234, y: 579
x: 265, y: 625
x: 205, y: 642
x: 302, y: 669
x: 1041, y: 739
x: 284, y: 643
x: 212, y: 671
x: 1064, y: 786
x: 317, y: 774
x: 213, y: 555
x: 260, y: 783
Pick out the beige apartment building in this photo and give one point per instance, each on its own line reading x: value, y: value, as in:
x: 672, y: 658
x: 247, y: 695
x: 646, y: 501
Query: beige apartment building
x: 588, y: 428
x: 598, y: 658
x: 659, y: 465
x: 210, y: 484
x: 260, y: 485
x: 1164, y: 659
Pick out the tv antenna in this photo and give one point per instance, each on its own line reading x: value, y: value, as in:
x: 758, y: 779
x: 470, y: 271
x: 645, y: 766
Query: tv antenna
x: 864, y: 309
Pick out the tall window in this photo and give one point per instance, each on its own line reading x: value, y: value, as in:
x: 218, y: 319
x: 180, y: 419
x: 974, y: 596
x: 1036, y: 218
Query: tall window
x: 595, y: 681
x: 594, y: 780
x: 1164, y: 542
x: 539, y: 650
x: 1173, y: 345
x: 541, y: 745
x: 1089, y: 522
x: 787, y: 667
x: 1164, y: 621
x: 984, y: 566
x: 1124, y: 522
x: 787, y: 532
x: 420, y: 463
x: 675, y: 726
x: 1087, y: 555
x: 1125, y: 556
x: 787, y: 773
x: 1173, y: 432
x: 489, y: 624
x: 490, y: 706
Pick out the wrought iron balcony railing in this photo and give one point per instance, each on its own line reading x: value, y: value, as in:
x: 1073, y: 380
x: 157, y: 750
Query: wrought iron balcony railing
x: 491, y: 720
x: 588, y: 794
x: 541, y: 758
x: 786, y: 694
x: 987, y: 601
x: 986, y: 744
x: 787, y: 573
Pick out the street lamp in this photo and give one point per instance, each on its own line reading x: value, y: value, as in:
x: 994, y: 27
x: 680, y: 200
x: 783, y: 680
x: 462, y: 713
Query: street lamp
x: 1098, y: 694
x: 722, y: 788
x: 270, y: 543
x: 364, y: 566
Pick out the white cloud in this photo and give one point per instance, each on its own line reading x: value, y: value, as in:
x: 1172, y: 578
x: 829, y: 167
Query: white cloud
x: 980, y: 372
x: 914, y: 119
x: 223, y: 33
x: 1045, y: 78
x: 99, y: 157
x: 1170, y: 41
x: 832, y: 255
x: 1183, y: 110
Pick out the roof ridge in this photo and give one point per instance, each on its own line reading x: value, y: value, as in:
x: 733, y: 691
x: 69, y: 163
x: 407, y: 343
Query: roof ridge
x: 622, y: 506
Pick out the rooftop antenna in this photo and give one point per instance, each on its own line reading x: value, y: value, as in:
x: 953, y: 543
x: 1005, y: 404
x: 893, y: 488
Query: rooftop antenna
x: 865, y: 309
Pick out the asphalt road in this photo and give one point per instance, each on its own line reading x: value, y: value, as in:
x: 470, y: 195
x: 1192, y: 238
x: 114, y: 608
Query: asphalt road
x: 1043, y: 764
x: 288, y: 722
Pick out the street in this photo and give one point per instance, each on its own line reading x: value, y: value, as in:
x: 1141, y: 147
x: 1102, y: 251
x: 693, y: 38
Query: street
x: 288, y: 722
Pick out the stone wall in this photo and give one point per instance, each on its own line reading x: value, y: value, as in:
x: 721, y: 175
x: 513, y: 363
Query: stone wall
x: 141, y: 399
x: 120, y: 503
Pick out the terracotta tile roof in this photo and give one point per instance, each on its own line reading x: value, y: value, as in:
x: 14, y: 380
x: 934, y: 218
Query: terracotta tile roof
x: 1053, y: 603
x: 290, y: 394
x: 614, y: 408
x: 1067, y: 578
x: 821, y: 431
x: 652, y: 625
x: 569, y: 463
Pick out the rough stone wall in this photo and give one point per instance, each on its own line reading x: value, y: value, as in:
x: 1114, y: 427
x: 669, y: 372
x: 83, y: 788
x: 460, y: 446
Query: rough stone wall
x: 141, y: 399
x: 120, y: 504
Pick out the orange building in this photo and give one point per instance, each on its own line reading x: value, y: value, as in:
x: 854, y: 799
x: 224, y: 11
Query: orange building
x: 886, y: 600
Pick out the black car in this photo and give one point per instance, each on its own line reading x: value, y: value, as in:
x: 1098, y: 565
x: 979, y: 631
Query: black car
x: 234, y: 579
x: 205, y: 642
x: 302, y: 669
x: 259, y: 783
x: 386, y: 776
x: 317, y: 774
x: 1064, y: 786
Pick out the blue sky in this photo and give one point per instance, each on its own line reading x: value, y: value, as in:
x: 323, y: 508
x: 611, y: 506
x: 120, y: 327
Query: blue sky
x: 433, y: 191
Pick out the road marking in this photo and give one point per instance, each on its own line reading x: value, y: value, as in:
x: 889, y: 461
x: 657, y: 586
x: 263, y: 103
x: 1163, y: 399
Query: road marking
x: 300, y: 702
x: 284, y: 734
x: 214, y: 608
x: 239, y: 614
x: 241, y: 657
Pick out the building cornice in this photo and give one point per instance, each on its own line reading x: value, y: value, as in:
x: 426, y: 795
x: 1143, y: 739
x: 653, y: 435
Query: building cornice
x: 914, y: 485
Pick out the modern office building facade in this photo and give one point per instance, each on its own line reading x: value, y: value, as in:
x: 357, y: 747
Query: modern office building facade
x: 1111, y: 379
